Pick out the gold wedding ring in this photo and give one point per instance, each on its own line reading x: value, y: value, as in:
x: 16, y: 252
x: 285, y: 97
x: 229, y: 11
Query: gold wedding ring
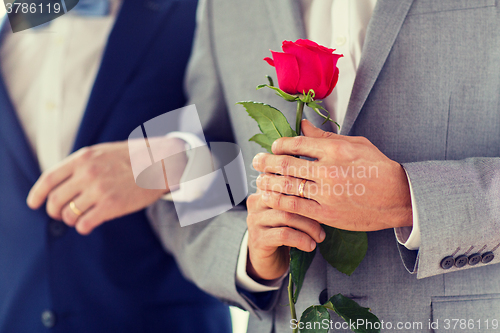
x: 75, y: 209
x: 301, y: 187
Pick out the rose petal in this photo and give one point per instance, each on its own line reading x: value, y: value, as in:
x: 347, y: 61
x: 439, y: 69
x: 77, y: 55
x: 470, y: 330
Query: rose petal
x: 313, y: 45
x: 310, y: 68
x: 335, y: 77
x: 269, y: 61
x: 287, y: 71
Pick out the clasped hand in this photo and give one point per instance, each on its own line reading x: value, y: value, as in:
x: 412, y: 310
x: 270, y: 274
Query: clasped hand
x: 349, y: 185
x: 100, y: 183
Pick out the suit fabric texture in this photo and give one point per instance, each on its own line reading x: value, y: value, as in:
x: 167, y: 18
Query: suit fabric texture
x: 427, y: 95
x: 119, y: 278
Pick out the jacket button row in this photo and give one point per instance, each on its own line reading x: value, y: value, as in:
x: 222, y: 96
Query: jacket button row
x: 462, y: 260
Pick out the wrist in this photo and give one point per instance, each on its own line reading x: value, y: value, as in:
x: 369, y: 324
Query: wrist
x: 404, y: 218
x: 267, y: 273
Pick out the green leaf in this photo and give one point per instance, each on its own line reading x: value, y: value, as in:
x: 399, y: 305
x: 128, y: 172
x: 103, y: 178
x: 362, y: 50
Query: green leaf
x: 279, y: 92
x: 262, y: 140
x: 360, y: 319
x: 299, y: 264
x: 312, y: 318
x: 272, y: 122
x: 344, y: 250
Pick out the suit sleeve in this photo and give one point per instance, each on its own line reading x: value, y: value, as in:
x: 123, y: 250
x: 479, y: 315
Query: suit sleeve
x: 458, y: 206
x: 207, y: 252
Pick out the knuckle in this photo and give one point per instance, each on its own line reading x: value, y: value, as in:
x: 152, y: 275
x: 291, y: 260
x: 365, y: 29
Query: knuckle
x: 92, y: 171
x: 85, y: 153
x: 363, y: 140
x: 266, y: 182
x: 286, y: 217
x: 286, y: 185
x: 292, y: 204
x: 284, y: 235
x: 252, y: 201
x: 284, y: 163
x: 48, y: 178
x: 277, y: 200
x: 326, y: 135
x: 297, y: 143
x: 53, y: 200
x: 68, y: 217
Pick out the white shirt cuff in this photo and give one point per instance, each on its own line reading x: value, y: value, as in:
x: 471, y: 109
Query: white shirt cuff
x: 182, y: 194
x: 246, y: 282
x: 410, y: 236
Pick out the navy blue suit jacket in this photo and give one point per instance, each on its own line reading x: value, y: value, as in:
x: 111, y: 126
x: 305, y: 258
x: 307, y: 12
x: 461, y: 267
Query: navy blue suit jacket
x: 118, y: 279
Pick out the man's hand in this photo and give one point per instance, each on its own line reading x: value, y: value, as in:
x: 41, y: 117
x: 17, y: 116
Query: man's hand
x: 99, y: 180
x: 271, y: 233
x: 351, y: 185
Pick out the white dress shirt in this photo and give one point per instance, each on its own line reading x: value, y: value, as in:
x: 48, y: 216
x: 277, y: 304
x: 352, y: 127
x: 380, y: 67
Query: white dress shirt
x: 49, y: 73
x: 341, y: 25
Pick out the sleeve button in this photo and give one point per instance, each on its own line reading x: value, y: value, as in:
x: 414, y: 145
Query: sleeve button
x: 447, y: 262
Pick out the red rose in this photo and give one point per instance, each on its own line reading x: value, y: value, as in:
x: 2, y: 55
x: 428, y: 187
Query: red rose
x: 305, y: 65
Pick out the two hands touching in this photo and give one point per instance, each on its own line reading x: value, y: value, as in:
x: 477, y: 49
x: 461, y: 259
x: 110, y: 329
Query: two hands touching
x: 350, y: 185
x: 100, y: 183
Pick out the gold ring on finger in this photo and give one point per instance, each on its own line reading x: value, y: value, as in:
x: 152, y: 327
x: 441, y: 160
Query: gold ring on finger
x: 75, y: 209
x: 301, y: 187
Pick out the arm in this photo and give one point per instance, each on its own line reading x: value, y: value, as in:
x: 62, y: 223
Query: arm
x: 458, y: 206
x: 457, y: 201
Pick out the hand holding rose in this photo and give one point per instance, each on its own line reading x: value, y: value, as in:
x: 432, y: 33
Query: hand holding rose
x: 329, y: 193
x: 271, y: 233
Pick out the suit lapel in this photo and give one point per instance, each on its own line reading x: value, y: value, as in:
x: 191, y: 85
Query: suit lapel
x: 11, y: 132
x: 131, y: 34
x: 383, y: 29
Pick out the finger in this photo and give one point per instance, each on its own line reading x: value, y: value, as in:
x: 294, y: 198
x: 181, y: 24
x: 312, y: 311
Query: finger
x: 291, y: 204
x: 254, y: 202
x: 283, y: 165
x: 93, y: 218
x: 60, y: 197
x: 286, y: 236
x: 82, y: 205
x: 286, y: 185
x: 312, y: 131
x: 46, y: 183
x: 278, y: 219
x: 299, y: 145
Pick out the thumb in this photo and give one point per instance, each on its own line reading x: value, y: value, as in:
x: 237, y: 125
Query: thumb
x: 313, y: 132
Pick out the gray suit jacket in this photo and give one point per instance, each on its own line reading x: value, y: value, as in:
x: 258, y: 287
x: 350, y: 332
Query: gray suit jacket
x: 427, y: 94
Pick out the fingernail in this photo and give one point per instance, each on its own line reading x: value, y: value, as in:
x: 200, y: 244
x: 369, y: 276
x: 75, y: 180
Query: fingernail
x: 266, y: 195
x: 322, y: 235
x: 313, y: 245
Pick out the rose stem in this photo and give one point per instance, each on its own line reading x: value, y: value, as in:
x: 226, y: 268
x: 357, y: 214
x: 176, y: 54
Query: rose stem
x: 300, y: 110
x: 290, y: 299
